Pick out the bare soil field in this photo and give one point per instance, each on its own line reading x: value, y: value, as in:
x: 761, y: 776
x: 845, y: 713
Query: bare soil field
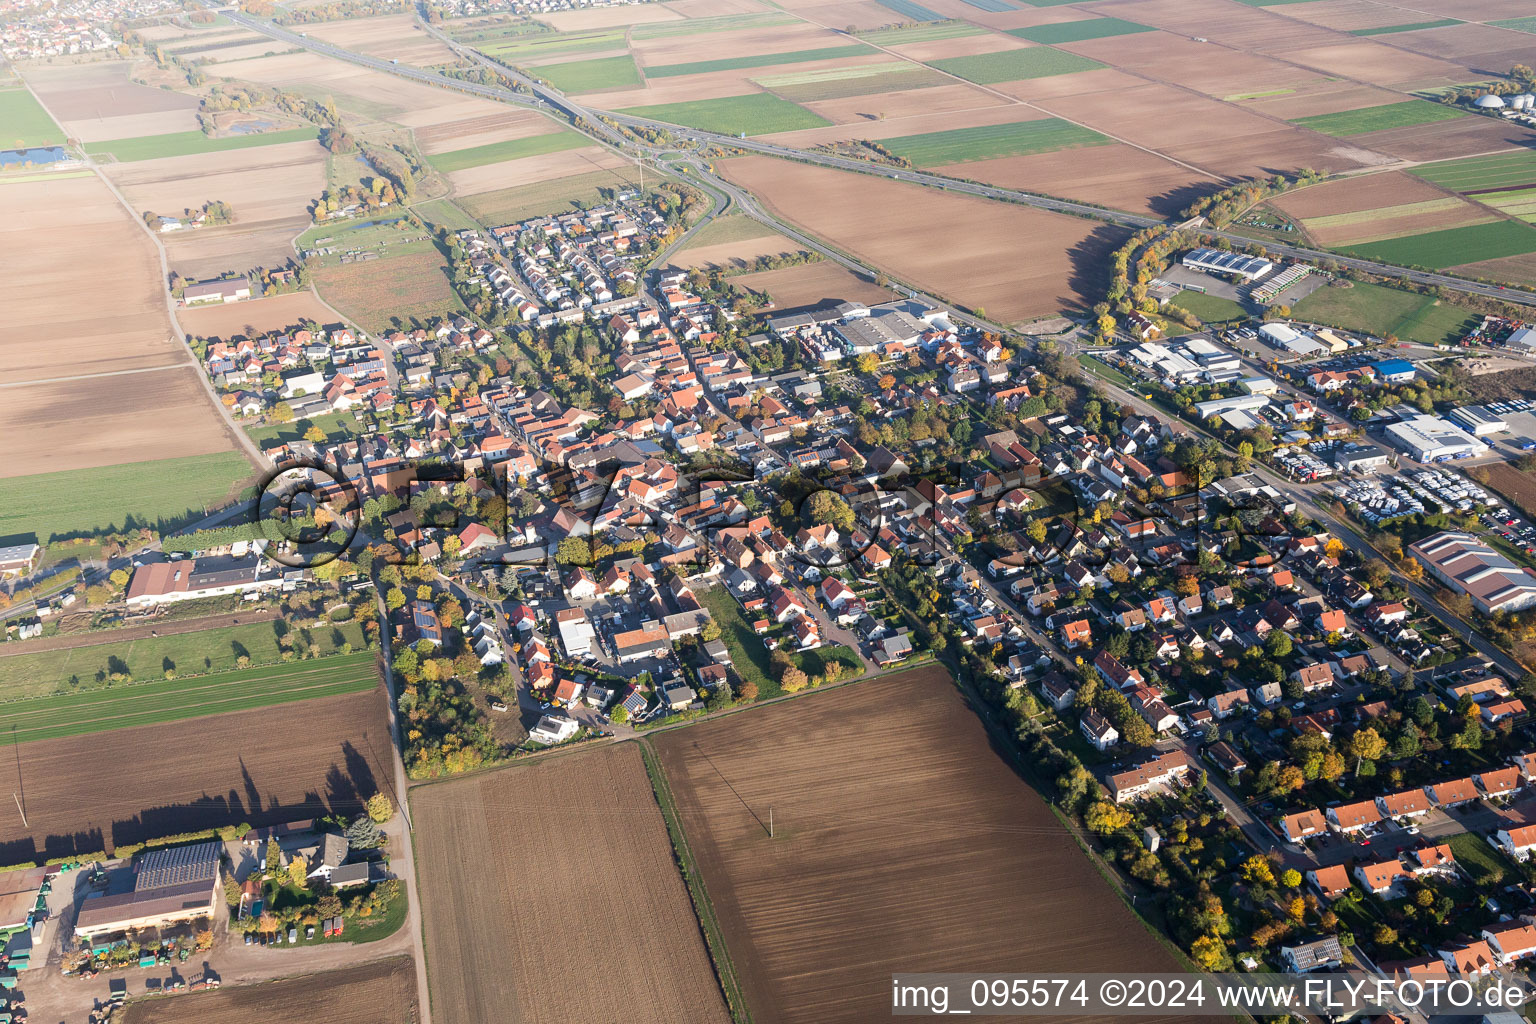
x: 378, y: 993
x: 77, y: 236
x: 272, y: 314
x: 1179, y: 60
x: 861, y: 14
x: 268, y: 187
x: 531, y: 170
x: 1466, y: 44
x: 1442, y: 140
x: 107, y: 421
x: 1117, y: 175
x: 1474, y: 10
x: 95, y: 102
x: 393, y: 36
x: 262, y: 46
x: 1377, y: 64
x: 607, y: 17
x: 1358, y: 194
x: 274, y: 764
x: 811, y: 284
x: 1261, y: 30
x: 624, y: 923
x: 1347, y: 15
x: 685, y: 88
x: 1016, y: 262
x: 865, y: 112
x: 1520, y: 269
x: 1330, y: 98
x: 1081, y: 83
x: 717, y: 8
x: 961, y: 46
x: 901, y: 842
x: 1517, y: 486
x: 750, y: 42
x: 483, y: 131
x: 973, y: 116
x: 735, y: 254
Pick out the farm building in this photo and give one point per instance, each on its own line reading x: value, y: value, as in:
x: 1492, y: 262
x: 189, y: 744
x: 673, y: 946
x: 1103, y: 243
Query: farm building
x: 1214, y: 261
x: 1432, y: 439
x: 1464, y: 563
x: 189, y: 578
x: 206, y: 293
x: 18, y: 559
x: 168, y: 886
x: 19, y: 893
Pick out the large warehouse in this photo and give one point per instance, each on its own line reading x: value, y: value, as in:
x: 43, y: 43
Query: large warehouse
x: 1479, y: 420
x: 1214, y: 261
x: 1464, y: 563
x: 168, y: 886
x: 1432, y: 439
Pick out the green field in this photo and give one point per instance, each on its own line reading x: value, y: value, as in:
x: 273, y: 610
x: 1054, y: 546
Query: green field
x: 1210, y: 308
x: 43, y: 673
x: 441, y: 213
x: 1375, y: 119
x: 701, y: 26
x: 534, y: 46
x: 1518, y: 24
x: 1077, y: 31
x: 759, y: 60
x: 92, y: 500
x: 1501, y: 170
x: 1413, y: 26
x: 756, y: 114
x: 921, y: 33
x: 1099, y: 368
x: 512, y: 149
x: 1483, y: 864
x: 590, y: 75
x: 838, y: 83
x: 119, y: 707
x: 24, y: 124
x: 506, y: 205
x: 934, y: 149
x: 1013, y: 65
x: 1451, y: 247
x: 1380, y: 311
x: 148, y: 147
x: 730, y: 228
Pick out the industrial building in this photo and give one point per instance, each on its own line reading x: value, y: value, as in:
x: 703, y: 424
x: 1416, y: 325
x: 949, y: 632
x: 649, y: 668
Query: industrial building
x: 1226, y: 406
x: 1214, y: 261
x: 1359, y: 458
x: 168, y: 886
x: 1478, y: 420
x: 1289, y: 338
x: 1465, y: 564
x: 1394, y: 371
x: 1523, y: 338
x: 188, y: 578
x: 1432, y: 439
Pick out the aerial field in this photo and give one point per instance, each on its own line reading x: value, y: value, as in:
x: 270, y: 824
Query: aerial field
x: 556, y: 195
x: 1114, y: 175
x: 934, y: 149
x: 1374, y: 206
x: 527, y: 173
x: 625, y: 924
x: 24, y: 123
x: 1013, y: 65
x: 1477, y: 174
x: 901, y: 842
x: 392, y: 36
x: 761, y: 60
x: 590, y: 75
x: 55, y: 500
x: 811, y: 284
x: 1443, y: 140
x: 732, y: 241
x: 1374, y: 62
x: 842, y: 83
x: 1077, y: 31
x: 407, y: 288
x: 1379, y: 310
x: 383, y: 992
x: 277, y: 313
x: 1016, y: 262
x: 1455, y: 246
x: 99, y: 101
x: 755, y: 114
x: 512, y: 149
x: 907, y: 110
x: 1375, y: 119
x: 149, y: 147
x: 269, y: 189
x: 484, y: 130
x: 272, y: 764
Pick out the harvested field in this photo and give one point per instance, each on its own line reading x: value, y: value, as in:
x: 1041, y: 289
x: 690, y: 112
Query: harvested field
x: 264, y: 766
x: 506, y: 205
x: 512, y: 149
x: 393, y: 36
x: 811, y: 284
x: 1374, y: 62
x: 1118, y: 176
x: 1349, y: 15
x: 732, y: 241
x: 1365, y: 198
x: 1182, y: 62
x: 483, y: 131
x: 1518, y: 269
x: 1518, y: 487
x: 378, y: 993
x: 532, y: 170
x: 1476, y: 47
x: 74, y: 227
x: 779, y: 39
x: 1017, y: 262
x: 265, y: 315
x: 269, y: 188
x: 1447, y: 139
x: 867, y: 113
x: 922, y: 121
x: 946, y: 47
x: 410, y: 287
x: 884, y: 794
x: 1325, y: 98
x: 98, y: 101
x: 605, y: 17
x: 641, y: 956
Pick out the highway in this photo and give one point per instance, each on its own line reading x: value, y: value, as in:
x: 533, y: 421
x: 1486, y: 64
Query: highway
x: 541, y: 97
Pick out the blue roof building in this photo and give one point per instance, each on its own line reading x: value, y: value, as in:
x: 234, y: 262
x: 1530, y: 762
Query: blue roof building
x: 1394, y: 371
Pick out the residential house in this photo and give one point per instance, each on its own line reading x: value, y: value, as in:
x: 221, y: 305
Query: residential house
x: 1353, y: 817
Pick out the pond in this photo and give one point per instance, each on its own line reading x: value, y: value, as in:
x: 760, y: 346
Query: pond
x: 45, y: 155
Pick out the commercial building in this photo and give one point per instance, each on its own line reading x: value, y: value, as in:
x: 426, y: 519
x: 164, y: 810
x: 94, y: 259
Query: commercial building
x: 169, y: 887
x: 1524, y: 338
x: 1464, y: 563
x: 1359, y: 458
x: 1237, y: 403
x: 1394, y: 371
x: 1214, y: 261
x: 1432, y: 439
x: 1478, y: 420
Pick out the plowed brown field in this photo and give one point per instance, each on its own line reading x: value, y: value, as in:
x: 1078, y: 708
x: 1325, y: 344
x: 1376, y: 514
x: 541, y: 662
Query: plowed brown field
x: 901, y: 843
x: 550, y: 894
x: 377, y: 993
x: 274, y: 764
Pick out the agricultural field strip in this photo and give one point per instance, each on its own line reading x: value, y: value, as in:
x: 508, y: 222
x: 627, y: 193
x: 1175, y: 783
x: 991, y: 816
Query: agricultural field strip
x: 837, y: 74
x: 1383, y: 212
x: 920, y: 33
x: 702, y: 26
x: 1476, y: 173
x: 1451, y: 247
x: 589, y: 75
x: 1079, y: 31
x: 76, y: 714
x: 1379, y: 118
x: 760, y: 60
x: 1015, y: 65
x: 24, y: 122
x: 758, y: 113
x: 152, y: 147
x: 986, y: 142
x: 1414, y: 26
x: 1518, y: 24
x: 512, y: 149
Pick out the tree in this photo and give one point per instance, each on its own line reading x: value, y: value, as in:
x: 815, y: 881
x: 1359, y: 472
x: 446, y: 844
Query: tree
x: 298, y: 870
x: 1105, y: 817
x: 394, y: 599
x: 274, y: 858
x: 619, y: 715
x: 1290, y: 878
x: 363, y: 834
x: 268, y: 924
x: 1278, y: 644
x: 1258, y: 871
x: 793, y: 680
x: 1366, y: 745
x: 1208, y: 952
x: 1412, y: 569
x: 380, y: 808
x: 1385, y: 935
x: 826, y: 508
x: 574, y: 551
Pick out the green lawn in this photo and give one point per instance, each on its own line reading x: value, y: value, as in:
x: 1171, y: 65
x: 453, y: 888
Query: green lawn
x: 756, y: 114
x: 148, y: 147
x: 442, y: 213
x: 1413, y: 26
x: 1486, y: 866
x: 107, y: 498
x: 1013, y: 65
x: 212, y: 650
x: 1077, y: 31
x: 933, y: 149
x: 1501, y: 170
x: 1452, y: 246
x: 921, y: 33
x: 748, y: 655
x: 506, y: 205
x: 1210, y: 308
x: 1098, y: 367
x: 24, y: 124
x: 1379, y: 310
x: 1375, y: 119
x: 759, y: 60
x: 590, y: 75
x: 512, y: 149
x: 119, y: 707
x: 1518, y: 24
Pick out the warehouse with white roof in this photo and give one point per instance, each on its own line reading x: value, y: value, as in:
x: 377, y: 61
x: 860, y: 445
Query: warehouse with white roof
x: 1214, y: 261
x: 1432, y: 439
